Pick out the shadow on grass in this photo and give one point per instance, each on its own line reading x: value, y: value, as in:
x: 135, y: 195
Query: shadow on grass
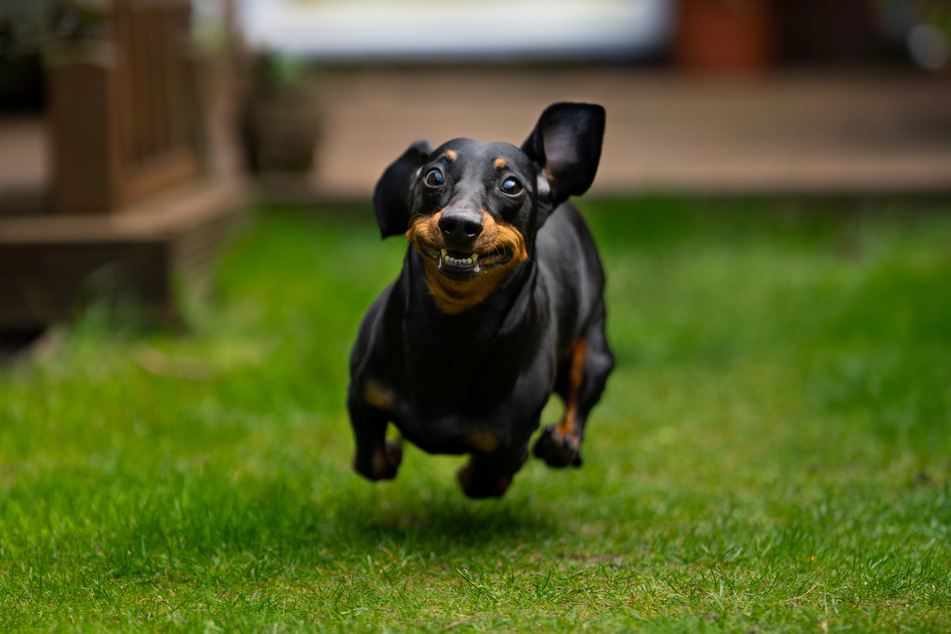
x: 451, y: 524
x: 280, y: 519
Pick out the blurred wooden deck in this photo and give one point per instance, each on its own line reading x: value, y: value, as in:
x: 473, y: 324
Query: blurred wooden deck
x: 783, y: 133
x: 780, y: 133
x: 121, y: 191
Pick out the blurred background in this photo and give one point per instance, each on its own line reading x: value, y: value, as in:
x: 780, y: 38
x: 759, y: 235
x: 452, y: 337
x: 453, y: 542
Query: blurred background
x: 134, y: 132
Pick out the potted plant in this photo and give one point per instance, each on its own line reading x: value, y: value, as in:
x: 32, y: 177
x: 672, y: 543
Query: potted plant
x: 280, y: 119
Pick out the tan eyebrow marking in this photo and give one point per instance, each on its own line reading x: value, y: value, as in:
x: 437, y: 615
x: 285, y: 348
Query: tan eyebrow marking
x: 451, y: 155
x: 500, y: 163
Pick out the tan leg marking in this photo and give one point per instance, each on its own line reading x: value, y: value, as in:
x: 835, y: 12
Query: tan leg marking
x: 380, y: 397
x: 567, y: 425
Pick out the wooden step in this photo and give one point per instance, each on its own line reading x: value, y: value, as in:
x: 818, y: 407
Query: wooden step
x: 52, y: 265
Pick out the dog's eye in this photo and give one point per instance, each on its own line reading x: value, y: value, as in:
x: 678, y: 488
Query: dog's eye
x: 510, y: 186
x: 434, y: 178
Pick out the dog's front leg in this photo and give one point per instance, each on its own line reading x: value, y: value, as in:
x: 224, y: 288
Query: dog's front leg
x: 375, y: 457
x: 489, y: 474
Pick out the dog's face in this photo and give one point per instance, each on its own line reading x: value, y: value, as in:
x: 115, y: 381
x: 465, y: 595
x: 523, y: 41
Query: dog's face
x: 472, y: 209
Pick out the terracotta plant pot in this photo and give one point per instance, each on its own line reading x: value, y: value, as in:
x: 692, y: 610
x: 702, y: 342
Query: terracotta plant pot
x: 725, y: 35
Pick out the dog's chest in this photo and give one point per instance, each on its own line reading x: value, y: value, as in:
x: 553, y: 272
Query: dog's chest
x: 479, y: 413
x: 457, y: 391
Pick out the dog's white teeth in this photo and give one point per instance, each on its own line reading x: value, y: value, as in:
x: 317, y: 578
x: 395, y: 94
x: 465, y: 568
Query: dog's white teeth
x: 466, y: 261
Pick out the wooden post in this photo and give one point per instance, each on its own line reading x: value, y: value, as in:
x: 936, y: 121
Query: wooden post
x: 82, y: 128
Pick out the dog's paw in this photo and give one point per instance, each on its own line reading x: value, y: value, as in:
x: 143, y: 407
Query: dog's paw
x: 557, y: 449
x: 384, y: 463
x: 480, y: 488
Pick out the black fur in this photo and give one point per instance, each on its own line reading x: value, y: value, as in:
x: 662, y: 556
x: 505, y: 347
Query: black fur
x: 475, y: 379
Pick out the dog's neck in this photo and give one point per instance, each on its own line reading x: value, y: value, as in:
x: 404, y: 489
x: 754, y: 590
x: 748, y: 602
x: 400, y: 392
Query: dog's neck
x: 501, y: 315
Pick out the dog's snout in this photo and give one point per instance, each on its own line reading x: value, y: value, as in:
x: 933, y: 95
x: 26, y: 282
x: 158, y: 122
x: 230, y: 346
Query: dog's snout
x: 460, y: 226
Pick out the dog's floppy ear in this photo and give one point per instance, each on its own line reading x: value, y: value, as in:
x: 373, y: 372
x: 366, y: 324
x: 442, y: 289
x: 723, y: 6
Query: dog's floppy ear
x: 391, y: 194
x: 566, y: 146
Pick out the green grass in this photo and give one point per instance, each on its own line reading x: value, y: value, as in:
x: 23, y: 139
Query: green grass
x: 772, y: 454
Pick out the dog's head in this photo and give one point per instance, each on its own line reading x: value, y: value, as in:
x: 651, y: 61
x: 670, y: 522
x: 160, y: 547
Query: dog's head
x: 472, y: 209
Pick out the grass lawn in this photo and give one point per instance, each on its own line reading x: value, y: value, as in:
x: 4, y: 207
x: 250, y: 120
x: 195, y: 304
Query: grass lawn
x: 772, y: 454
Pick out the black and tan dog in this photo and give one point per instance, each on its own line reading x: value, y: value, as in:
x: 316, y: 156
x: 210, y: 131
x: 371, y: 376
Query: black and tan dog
x: 498, y: 305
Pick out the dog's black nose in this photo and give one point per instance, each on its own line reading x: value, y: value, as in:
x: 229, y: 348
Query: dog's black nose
x: 460, y: 226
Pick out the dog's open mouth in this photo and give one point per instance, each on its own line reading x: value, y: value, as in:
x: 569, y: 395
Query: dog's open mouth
x: 462, y: 266
x: 497, y: 249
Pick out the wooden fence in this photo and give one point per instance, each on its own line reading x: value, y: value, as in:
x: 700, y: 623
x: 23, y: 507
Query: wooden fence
x: 141, y: 191
x: 123, y: 109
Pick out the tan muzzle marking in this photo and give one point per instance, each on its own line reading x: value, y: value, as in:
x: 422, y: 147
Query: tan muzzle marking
x: 454, y: 296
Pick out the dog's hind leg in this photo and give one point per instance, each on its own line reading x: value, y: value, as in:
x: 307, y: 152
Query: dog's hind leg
x: 581, y: 380
x: 490, y: 474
